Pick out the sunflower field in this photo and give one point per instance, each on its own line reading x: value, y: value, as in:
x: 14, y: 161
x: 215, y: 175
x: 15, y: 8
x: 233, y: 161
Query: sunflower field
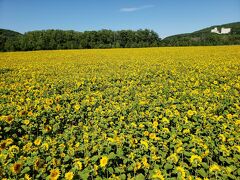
x: 153, y: 113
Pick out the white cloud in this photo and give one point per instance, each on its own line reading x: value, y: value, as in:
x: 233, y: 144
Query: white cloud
x: 132, y: 9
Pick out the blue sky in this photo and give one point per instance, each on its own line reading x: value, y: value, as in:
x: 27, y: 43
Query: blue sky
x: 166, y: 17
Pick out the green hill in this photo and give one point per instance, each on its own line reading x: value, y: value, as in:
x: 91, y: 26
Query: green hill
x: 8, y: 38
x: 206, y: 37
x: 9, y: 33
x: 235, y: 28
x: 60, y: 39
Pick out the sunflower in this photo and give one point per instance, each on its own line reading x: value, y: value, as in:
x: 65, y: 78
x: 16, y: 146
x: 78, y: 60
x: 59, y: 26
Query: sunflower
x: 145, y: 133
x: 190, y: 113
x: 155, y: 124
x: 173, y: 157
x: 214, y: 168
x: 16, y: 168
x: 237, y: 122
x: 37, y: 141
x: 55, y: 173
x: 144, y: 143
x: 77, y: 107
x: 8, y: 141
x: 9, y: 119
x: 26, y: 121
x: 165, y: 120
x: 145, y: 162
x: 155, y: 157
x: 152, y: 135
x: 137, y: 166
x: 103, y: 161
x: 179, y: 150
x: 37, y: 164
x: 157, y: 175
x: 58, y: 108
x: 69, y: 175
x: 95, y: 167
x: 27, y: 177
x: 3, y: 145
x: 222, y: 137
x: 186, y: 131
x: 195, y: 159
x: 45, y: 146
x: 27, y: 147
x: 229, y: 116
x: 13, y: 150
x: 141, y: 125
x: 47, y: 128
x: 49, y: 101
x: 78, y: 164
x: 181, y: 171
x: 165, y: 130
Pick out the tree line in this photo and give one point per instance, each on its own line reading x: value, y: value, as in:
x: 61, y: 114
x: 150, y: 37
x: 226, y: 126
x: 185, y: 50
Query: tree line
x: 201, y: 39
x: 60, y: 39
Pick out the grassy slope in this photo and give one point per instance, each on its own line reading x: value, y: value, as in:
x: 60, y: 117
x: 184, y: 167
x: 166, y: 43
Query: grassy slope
x: 207, y: 31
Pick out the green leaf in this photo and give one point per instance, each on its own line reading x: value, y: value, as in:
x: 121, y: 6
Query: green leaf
x: 66, y: 158
x: 7, y: 129
x: 108, y: 149
x: 123, y: 176
x: 130, y: 168
x: 140, y: 177
x: 98, y: 178
x: 232, y: 176
x: 111, y: 170
x: 229, y: 160
x: 119, y: 152
x: 49, y: 158
x: 120, y: 170
x: 168, y: 166
x: 84, y: 175
x: 205, y: 165
x: 25, y: 170
x: 221, y: 158
x: 111, y: 155
x: 238, y: 171
x: 202, y: 172
x: 187, y: 153
x: 94, y: 158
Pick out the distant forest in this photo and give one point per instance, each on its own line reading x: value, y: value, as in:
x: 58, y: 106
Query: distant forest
x: 60, y: 39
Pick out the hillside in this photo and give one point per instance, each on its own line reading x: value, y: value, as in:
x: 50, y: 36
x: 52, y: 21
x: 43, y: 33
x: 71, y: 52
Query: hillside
x: 68, y: 39
x: 206, y: 37
x: 60, y: 39
x: 235, y: 28
x: 7, y: 38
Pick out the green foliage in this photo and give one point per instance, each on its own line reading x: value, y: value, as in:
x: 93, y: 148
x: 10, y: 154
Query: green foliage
x: 204, y: 37
x: 59, y: 39
x: 9, y: 40
x: 153, y: 113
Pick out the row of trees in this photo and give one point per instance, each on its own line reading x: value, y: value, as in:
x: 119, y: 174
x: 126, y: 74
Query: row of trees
x: 204, y: 39
x: 59, y: 39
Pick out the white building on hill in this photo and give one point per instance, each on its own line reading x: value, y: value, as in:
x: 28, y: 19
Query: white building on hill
x: 223, y: 30
x: 215, y: 30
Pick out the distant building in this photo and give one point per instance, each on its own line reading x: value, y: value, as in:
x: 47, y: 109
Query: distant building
x: 215, y: 30
x: 223, y: 30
